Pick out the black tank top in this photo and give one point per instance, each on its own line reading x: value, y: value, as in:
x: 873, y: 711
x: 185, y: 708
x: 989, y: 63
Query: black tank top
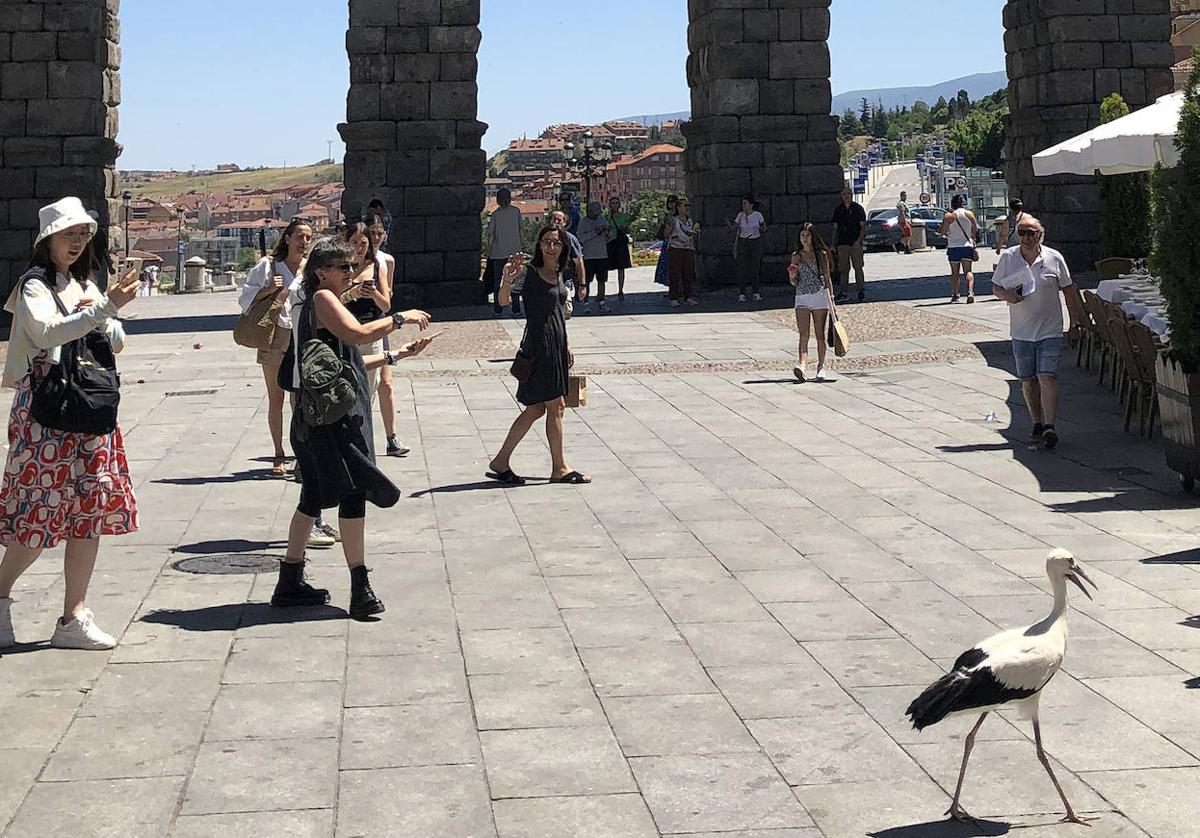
x: 366, y: 309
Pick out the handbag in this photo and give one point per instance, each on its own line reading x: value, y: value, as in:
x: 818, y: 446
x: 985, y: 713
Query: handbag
x: 327, y: 387
x: 80, y: 393
x: 974, y: 250
x: 837, y: 336
x: 577, y: 391
x: 255, y: 328
x: 522, y: 367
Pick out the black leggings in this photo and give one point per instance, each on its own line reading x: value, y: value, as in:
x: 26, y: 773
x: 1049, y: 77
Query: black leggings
x: 351, y: 507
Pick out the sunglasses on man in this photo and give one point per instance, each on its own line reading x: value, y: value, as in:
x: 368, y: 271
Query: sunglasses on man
x: 1028, y: 231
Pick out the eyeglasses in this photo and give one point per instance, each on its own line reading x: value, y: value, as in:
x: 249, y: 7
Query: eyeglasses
x: 1028, y: 231
x: 346, y: 267
x: 551, y: 243
x: 76, y: 237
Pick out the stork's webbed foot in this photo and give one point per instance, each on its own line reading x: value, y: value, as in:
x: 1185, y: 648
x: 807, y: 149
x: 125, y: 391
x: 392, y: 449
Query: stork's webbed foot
x: 1071, y: 817
x: 958, y: 813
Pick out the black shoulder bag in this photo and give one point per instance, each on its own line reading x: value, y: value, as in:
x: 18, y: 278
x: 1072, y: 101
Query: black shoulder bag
x: 80, y: 393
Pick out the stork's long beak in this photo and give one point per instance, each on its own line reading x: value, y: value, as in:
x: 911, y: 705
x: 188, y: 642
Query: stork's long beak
x: 1075, y: 574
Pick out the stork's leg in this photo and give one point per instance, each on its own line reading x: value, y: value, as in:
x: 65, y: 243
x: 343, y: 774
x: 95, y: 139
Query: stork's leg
x: 1045, y: 761
x: 955, y: 811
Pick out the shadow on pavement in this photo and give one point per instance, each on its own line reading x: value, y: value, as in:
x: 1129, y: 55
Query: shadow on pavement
x: 1181, y: 557
x: 26, y: 648
x: 477, y: 486
x: 231, y: 616
x: 254, y: 475
x: 945, y: 829
x: 228, y: 545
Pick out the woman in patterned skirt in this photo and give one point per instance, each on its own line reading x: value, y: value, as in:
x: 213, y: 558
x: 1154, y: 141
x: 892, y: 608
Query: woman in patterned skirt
x: 59, y: 485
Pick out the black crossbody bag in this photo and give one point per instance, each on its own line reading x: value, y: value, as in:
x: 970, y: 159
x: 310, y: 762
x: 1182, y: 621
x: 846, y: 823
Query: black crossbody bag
x: 80, y: 393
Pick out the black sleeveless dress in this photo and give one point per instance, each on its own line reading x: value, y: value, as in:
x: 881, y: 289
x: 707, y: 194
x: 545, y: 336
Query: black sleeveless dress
x: 338, y: 461
x: 545, y: 338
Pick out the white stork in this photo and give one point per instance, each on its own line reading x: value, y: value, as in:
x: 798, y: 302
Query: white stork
x: 1008, y: 669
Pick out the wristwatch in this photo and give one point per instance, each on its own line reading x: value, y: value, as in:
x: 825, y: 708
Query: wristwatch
x: 397, y: 319
x: 389, y: 358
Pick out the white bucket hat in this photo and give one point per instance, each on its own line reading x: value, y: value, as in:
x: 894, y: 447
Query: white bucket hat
x: 62, y: 215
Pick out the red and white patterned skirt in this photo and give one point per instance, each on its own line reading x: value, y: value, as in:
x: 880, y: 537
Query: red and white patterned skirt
x: 60, y: 485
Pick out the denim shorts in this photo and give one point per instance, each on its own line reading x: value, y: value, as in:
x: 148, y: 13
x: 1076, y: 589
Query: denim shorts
x: 960, y: 254
x: 1038, y: 357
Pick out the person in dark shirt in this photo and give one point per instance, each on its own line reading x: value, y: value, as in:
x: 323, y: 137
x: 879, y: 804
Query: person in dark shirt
x: 850, y: 226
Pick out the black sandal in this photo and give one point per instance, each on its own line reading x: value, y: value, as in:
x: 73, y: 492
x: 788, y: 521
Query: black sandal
x: 572, y: 477
x: 506, y: 476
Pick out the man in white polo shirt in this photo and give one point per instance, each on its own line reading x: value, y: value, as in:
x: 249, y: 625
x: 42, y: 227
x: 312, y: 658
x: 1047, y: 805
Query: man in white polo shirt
x: 1030, y: 277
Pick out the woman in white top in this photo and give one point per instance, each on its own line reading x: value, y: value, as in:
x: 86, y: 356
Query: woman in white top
x: 377, y: 230
x: 809, y: 273
x: 61, y: 485
x: 279, y: 273
x: 750, y: 226
x: 961, y: 231
x: 681, y: 254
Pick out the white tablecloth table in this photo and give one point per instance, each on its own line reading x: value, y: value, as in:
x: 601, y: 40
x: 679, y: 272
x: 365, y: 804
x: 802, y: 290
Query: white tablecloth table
x: 1139, y: 298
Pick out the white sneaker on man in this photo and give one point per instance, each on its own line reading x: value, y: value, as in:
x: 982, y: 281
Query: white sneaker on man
x: 82, y: 633
x: 320, y: 537
x: 6, y: 627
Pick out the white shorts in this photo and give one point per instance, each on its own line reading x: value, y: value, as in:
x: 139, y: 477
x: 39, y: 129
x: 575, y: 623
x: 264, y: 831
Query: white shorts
x: 818, y: 301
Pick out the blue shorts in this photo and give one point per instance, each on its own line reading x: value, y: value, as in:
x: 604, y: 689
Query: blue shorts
x: 960, y: 254
x: 1038, y: 357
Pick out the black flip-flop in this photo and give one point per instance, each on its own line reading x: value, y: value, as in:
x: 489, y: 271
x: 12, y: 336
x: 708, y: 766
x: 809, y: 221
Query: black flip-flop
x: 572, y: 477
x: 506, y: 476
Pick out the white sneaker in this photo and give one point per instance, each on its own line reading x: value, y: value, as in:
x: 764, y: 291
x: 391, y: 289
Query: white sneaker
x: 823, y: 376
x: 6, y: 627
x: 320, y: 538
x: 674, y: 303
x: 692, y: 301
x: 758, y: 298
x: 741, y: 298
x: 798, y: 371
x: 82, y: 633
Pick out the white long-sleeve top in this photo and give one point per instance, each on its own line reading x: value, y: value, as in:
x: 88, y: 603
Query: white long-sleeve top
x: 38, y: 324
x: 261, y: 276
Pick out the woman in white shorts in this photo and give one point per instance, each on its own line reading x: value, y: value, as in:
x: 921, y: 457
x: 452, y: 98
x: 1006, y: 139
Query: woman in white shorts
x: 809, y: 272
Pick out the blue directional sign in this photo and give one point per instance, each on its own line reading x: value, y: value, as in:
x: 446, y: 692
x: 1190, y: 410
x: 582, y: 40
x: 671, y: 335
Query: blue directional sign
x: 959, y: 160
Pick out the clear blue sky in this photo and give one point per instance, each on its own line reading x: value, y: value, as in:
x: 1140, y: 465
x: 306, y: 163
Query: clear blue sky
x: 263, y: 82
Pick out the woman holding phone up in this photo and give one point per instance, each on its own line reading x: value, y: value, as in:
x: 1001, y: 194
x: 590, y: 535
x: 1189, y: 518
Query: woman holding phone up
x: 545, y: 343
x: 338, y: 460
x: 370, y: 292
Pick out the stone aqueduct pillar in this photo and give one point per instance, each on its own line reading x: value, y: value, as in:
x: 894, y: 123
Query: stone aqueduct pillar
x: 1064, y: 57
x: 59, y: 90
x: 759, y: 72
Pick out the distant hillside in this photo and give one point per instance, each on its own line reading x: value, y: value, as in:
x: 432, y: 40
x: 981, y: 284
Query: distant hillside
x: 977, y: 86
x: 258, y: 179
x: 655, y: 118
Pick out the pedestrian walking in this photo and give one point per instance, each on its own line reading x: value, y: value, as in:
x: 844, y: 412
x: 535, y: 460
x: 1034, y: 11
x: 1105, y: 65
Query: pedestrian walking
x: 278, y: 275
x: 370, y: 292
x: 850, y: 228
x: 568, y: 204
x: 905, y: 219
x: 809, y: 272
x: 748, y: 252
x: 61, y: 485
x: 662, y: 271
x: 619, y: 257
x: 575, y: 269
x: 593, y: 237
x: 1030, y: 277
x: 545, y: 344
x: 338, y: 459
x: 504, y: 239
x: 961, y: 231
x: 1006, y: 230
x: 681, y: 239
x: 377, y: 230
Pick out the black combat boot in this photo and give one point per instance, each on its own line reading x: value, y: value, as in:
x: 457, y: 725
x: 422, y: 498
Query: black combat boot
x: 363, y: 602
x: 291, y: 590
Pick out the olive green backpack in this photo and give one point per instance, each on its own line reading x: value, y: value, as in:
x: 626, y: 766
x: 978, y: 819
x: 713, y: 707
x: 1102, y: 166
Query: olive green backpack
x: 327, y: 384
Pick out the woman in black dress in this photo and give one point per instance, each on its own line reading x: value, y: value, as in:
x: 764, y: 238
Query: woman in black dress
x: 545, y: 342
x: 337, y: 461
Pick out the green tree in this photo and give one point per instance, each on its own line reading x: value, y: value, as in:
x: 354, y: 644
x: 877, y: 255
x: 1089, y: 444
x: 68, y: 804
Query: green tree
x: 1124, y: 201
x: 879, y: 123
x: 247, y: 258
x: 864, y: 111
x: 1176, y: 256
x: 941, y: 111
x: 980, y: 138
x: 850, y: 125
x: 647, y: 210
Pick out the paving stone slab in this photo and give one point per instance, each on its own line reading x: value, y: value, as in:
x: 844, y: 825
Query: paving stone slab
x: 297, y: 710
x: 98, y: 808
x: 521, y: 700
x: 405, y: 679
x: 444, y: 801
x: 250, y: 776
x: 607, y: 816
x: 677, y: 724
x: 408, y: 735
x: 309, y: 823
x: 650, y: 668
x: 553, y: 762
x: 127, y: 746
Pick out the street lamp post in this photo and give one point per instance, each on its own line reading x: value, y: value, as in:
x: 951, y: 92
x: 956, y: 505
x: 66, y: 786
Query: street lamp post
x: 179, y: 252
x: 126, y: 197
x: 590, y: 162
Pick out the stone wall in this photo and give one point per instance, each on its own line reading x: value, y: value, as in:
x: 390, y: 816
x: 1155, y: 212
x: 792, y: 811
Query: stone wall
x: 413, y: 140
x: 1064, y: 57
x: 759, y: 74
x: 59, y: 90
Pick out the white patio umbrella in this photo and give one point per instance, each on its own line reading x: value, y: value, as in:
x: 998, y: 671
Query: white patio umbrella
x: 1133, y: 143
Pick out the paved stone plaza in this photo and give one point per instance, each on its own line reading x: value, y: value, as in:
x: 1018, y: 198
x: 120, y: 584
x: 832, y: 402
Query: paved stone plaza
x: 716, y: 638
